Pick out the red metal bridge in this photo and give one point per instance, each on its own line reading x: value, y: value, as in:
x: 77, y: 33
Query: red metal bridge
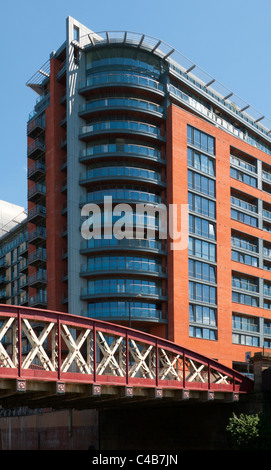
x: 53, y: 359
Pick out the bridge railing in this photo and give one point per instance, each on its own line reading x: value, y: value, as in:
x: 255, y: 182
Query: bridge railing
x: 45, y: 345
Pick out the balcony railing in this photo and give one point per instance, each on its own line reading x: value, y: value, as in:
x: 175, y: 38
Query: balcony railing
x: 37, y: 233
x: 148, y: 244
x: 124, y: 78
x: 36, y: 167
x: 142, y: 105
x: 122, y: 125
x: 38, y: 299
x: 36, y: 123
x: 266, y: 176
x: 37, y: 145
x: 121, y: 172
x: 38, y: 277
x: 115, y: 266
x: 37, y: 189
x: 120, y: 149
x: 39, y: 254
x: 38, y: 210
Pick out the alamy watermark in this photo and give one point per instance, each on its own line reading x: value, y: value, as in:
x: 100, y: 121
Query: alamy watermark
x: 143, y: 222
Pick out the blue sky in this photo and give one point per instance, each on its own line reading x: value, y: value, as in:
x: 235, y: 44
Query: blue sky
x: 228, y: 39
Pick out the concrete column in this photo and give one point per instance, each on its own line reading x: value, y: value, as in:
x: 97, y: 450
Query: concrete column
x: 75, y: 73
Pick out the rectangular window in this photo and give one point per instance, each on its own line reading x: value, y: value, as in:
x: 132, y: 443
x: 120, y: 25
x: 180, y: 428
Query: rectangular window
x: 201, y: 162
x: 202, y: 292
x: 202, y: 249
x: 201, y: 205
x: 203, y: 271
x: 204, y: 333
x: 201, y: 227
x: 201, y: 140
x: 201, y: 183
x: 245, y: 340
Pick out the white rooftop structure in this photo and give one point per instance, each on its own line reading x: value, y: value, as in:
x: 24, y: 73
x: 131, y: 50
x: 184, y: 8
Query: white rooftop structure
x: 10, y: 216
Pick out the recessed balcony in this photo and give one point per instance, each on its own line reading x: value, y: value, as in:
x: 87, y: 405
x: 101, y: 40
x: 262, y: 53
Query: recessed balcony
x: 23, y: 265
x: 23, y: 282
x: 24, y: 299
x: 4, y: 263
x: 3, y: 295
x: 3, y: 279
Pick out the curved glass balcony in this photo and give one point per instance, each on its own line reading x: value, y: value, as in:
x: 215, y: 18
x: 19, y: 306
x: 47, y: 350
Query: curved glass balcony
x: 120, y: 125
x: 126, y: 244
x: 133, y: 221
x: 122, y: 287
x: 124, y: 57
x: 123, y: 311
x: 114, y: 149
x: 122, y: 103
x: 123, y: 79
x: 115, y: 263
x: 121, y: 194
x: 121, y: 172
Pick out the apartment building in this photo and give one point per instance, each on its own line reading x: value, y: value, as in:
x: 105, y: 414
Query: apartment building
x: 125, y: 115
x: 13, y: 243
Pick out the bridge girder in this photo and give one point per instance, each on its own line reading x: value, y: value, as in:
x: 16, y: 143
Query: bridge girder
x: 52, y: 359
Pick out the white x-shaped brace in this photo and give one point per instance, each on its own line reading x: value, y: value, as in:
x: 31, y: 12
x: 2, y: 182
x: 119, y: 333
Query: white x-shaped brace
x: 109, y: 358
x: 74, y: 347
x: 222, y: 379
x: 36, y: 343
x: 197, y: 372
x: 140, y: 361
x: 5, y: 359
x: 169, y: 366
